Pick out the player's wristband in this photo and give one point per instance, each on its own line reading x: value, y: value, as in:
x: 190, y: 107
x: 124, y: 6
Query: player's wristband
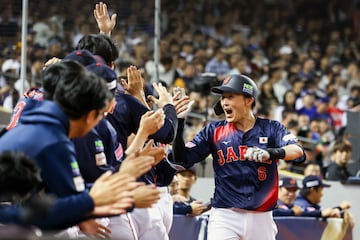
x: 276, y: 153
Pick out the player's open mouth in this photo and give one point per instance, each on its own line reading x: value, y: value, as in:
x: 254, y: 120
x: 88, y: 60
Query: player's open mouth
x: 228, y: 111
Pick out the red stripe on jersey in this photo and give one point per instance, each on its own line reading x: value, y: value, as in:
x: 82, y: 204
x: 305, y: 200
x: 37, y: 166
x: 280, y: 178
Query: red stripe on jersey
x: 223, y: 131
x: 271, y: 199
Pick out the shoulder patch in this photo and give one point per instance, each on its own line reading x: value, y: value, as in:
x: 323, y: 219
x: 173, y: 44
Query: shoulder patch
x: 289, y: 137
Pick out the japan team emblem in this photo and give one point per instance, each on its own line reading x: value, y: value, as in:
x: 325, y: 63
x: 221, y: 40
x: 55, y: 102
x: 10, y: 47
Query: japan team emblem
x: 263, y: 140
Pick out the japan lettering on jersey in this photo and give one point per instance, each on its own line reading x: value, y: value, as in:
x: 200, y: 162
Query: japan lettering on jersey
x: 239, y: 182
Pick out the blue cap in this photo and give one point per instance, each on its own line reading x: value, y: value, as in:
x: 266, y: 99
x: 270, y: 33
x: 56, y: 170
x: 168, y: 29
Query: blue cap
x: 288, y: 182
x: 105, y: 72
x: 191, y: 169
x: 84, y: 57
x: 313, y: 181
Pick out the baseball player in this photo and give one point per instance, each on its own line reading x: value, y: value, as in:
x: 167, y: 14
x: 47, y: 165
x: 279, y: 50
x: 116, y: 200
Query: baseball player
x: 154, y: 222
x: 99, y: 151
x: 56, y: 121
x: 245, y: 149
x: 50, y: 80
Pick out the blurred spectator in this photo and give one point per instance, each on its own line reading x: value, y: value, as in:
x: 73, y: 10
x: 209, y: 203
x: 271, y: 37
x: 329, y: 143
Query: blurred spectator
x: 218, y: 64
x: 335, y: 112
x: 309, y: 107
x: 287, y: 105
x: 341, y: 154
x: 267, y: 98
x: 307, y: 71
x: 312, y: 168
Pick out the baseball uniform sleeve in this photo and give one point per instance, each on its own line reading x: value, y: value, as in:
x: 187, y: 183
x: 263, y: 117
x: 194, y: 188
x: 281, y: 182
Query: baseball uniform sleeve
x: 195, y: 151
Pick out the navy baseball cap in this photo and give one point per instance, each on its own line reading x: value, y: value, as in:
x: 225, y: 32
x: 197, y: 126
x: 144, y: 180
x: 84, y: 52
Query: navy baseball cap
x: 191, y: 169
x: 237, y: 83
x: 106, y: 73
x: 84, y: 57
x: 313, y: 181
x: 288, y: 182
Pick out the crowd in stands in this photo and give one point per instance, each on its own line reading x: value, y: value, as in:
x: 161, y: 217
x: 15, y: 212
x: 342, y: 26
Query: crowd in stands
x: 303, y: 55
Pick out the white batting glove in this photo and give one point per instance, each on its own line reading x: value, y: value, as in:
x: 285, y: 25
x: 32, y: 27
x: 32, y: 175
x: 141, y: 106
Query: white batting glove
x: 257, y: 154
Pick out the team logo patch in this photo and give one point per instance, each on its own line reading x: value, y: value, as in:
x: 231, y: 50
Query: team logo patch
x: 79, y: 184
x: 289, y: 137
x: 119, y: 153
x: 227, y: 79
x: 100, y: 159
x: 190, y: 144
x: 263, y: 140
x: 248, y: 88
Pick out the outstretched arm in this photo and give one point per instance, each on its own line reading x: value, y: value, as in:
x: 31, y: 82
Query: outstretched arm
x: 103, y: 20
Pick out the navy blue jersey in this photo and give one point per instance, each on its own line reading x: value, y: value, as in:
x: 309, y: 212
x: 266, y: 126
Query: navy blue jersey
x: 33, y: 93
x: 42, y: 134
x: 183, y: 208
x: 126, y: 119
x: 283, y: 209
x: 55, y: 219
x: 239, y: 183
x: 98, y: 151
x: 309, y: 209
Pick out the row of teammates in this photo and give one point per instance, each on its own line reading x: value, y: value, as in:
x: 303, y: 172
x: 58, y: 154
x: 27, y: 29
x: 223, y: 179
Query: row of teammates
x: 86, y: 161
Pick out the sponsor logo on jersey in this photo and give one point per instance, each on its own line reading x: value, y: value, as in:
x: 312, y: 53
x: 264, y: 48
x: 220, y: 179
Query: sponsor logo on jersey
x: 248, y: 88
x: 226, y: 142
x: 263, y: 140
x: 100, y: 159
x: 310, y: 209
x: 99, y: 146
x: 289, y: 137
x: 75, y: 168
x: 79, y: 183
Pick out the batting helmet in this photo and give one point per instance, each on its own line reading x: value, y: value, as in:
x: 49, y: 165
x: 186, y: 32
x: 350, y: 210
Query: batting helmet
x: 237, y: 83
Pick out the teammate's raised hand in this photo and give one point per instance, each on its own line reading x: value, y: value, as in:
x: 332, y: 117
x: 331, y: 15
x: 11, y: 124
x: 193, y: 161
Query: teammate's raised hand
x: 136, y: 165
x: 103, y: 20
x: 164, y: 96
x: 257, y: 154
x: 158, y: 153
x: 135, y: 82
x: 146, y: 196
x: 197, y: 208
x: 93, y: 228
x: 151, y: 122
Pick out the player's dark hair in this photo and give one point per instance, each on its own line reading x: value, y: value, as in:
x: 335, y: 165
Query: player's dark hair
x: 306, y: 191
x: 81, y: 92
x: 18, y: 176
x: 51, y: 76
x: 99, y: 44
